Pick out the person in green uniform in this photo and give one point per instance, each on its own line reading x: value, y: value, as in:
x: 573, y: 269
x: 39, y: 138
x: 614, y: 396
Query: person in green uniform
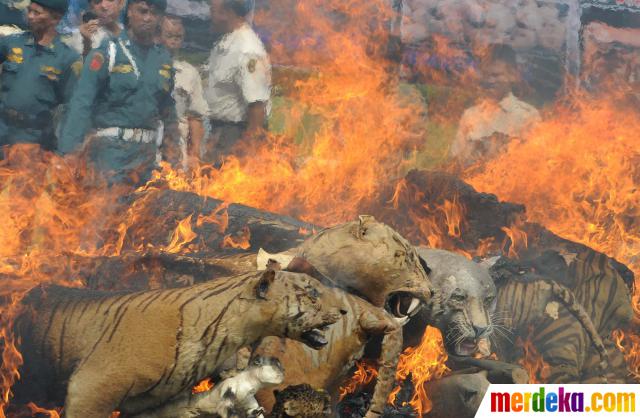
x: 123, y: 100
x: 37, y: 76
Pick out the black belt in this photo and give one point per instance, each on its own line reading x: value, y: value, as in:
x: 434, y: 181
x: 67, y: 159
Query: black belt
x: 218, y: 123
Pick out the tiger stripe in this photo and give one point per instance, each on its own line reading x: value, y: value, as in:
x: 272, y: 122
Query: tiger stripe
x: 577, y: 344
x: 133, y: 351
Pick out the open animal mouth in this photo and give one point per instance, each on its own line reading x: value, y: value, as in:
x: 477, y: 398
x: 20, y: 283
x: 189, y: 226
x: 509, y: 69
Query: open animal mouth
x: 315, y: 338
x: 466, y: 347
x: 403, y: 305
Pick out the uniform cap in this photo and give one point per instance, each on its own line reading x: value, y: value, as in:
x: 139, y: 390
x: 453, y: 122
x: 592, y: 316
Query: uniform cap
x: 57, y: 5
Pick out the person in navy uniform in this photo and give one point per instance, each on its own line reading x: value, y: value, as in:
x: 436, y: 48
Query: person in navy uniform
x: 38, y: 73
x: 123, y: 100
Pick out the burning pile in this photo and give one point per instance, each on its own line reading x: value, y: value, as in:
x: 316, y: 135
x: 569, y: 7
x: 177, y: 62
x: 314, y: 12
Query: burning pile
x: 576, y: 174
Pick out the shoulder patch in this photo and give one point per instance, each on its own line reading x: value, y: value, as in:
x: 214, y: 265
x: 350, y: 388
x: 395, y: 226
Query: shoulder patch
x: 16, y: 55
x: 122, y: 68
x: 96, y: 61
x: 251, y: 66
x: 76, y: 67
x: 52, y: 73
x: 165, y: 73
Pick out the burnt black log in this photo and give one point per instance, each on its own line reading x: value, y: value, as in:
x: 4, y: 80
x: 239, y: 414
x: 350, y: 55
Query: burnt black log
x: 423, y: 195
x: 226, y: 240
x: 154, y: 270
x: 158, y: 212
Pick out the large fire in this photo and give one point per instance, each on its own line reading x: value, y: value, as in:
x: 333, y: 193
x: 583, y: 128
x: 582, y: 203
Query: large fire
x: 532, y: 360
x: 423, y: 363
x: 364, y: 374
x: 363, y: 123
x: 577, y: 173
x: 629, y: 345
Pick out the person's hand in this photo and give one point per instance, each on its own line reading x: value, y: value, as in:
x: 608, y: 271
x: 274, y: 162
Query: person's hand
x: 88, y: 29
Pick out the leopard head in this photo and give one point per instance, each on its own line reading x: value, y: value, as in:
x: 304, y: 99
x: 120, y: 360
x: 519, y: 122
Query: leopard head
x: 372, y: 260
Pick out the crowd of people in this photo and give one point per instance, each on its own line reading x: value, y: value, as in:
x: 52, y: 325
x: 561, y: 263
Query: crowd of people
x: 117, y: 92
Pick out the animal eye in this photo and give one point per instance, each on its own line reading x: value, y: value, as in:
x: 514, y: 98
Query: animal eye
x: 314, y: 293
x: 489, y: 300
x: 400, y: 253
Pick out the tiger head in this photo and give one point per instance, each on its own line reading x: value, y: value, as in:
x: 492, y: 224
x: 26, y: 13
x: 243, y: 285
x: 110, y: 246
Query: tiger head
x: 292, y: 305
x: 372, y: 260
x: 466, y: 301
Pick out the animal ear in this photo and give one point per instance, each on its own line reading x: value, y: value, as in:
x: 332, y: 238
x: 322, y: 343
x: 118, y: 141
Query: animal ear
x: 424, y: 265
x: 273, y: 265
x: 262, y: 288
x: 362, y: 225
x: 300, y: 265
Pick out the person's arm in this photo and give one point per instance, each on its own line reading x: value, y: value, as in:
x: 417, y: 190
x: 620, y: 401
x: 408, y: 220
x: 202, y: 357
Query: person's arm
x: 196, y: 133
x: 198, y: 110
x: 70, y: 79
x: 170, y: 147
x: 255, y: 84
x: 256, y: 118
x: 3, y: 48
x: 87, y: 30
x: 78, y: 118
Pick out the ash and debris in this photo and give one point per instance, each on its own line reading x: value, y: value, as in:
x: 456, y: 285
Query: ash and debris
x: 355, y: 405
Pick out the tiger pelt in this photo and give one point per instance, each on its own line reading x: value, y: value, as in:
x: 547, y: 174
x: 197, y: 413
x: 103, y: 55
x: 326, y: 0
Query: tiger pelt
x: 135, y: 351
x: 568, y: 325
x: 386, y: 284
x: 347, y: 339
x: 233, y: 397
x: 573, y: 327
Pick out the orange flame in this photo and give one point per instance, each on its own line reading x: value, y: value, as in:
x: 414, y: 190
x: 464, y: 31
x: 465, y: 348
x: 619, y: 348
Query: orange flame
x: 346, y: 86
x: 219, y: 217
x: 241, y: 241
x: 203, y: 386
x: 424, y: 363
x: 532, y: 360
x: 364, y: 374
x: 304, y: 231
x: 585, y: 161
x: 182, y: 236
x: 629, y: 346
x: 35, y: 409
x: 516, y: 239
x: 582, y: 178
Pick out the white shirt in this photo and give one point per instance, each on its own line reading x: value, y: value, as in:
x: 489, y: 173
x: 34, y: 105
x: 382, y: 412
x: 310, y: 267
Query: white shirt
x: 188, y: 94
x: 511, y: 117
x: 239, y: 74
